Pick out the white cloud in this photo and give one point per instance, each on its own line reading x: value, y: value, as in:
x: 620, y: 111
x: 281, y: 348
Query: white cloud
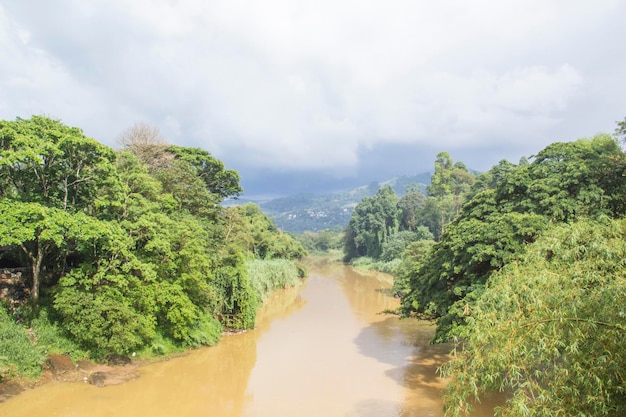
x: 307, y: 84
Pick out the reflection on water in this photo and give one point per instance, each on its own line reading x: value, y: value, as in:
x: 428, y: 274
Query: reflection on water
x: 321, y: 349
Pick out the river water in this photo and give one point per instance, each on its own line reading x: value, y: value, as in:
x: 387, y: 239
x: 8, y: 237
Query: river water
x: 319, y: 350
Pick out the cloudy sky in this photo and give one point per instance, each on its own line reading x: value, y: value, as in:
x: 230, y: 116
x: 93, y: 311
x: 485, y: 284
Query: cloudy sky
x: 286, y: 90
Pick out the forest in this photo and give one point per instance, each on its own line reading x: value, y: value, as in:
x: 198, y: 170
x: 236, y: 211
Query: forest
x: 522, y: 267
x: 114, y: 253
x: 109, y: 252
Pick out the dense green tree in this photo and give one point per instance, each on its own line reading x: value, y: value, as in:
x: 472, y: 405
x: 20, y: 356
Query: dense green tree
x: 397, y: 243
x: 430, y: 216
x: 412, y: 259
x: 217, y: 179
x: 259, y: 235
x: 47, y: 162
x: 373, y: 221
x: 109, y: 302
x: 549, y: 329
x: 133, y: 247
x: 322, y: 241
x: 490, y: 179
x: 440, y: 190
x: 450, y: 183
x: 568, y: 180
x: 409, y: 206
x: 462, y: 182
x: 41, y: 234
x: 140, y: 192
x: 182, y: 182
x: 564, y: 182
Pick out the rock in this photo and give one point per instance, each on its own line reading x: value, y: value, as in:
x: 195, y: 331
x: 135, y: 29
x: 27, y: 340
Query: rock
x: 9, y: 389
x: 85, y: 365
x: 117, y: 360
x: 60, y: 364
x: 97, y: 378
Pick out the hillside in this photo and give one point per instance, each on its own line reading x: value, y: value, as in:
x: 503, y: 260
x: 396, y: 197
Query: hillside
x: 313, y: 212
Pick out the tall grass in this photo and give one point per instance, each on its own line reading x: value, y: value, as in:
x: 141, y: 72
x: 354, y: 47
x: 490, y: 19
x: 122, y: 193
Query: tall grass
x: 268, y: 275
x: 18, y: 355
x: 370, y: 264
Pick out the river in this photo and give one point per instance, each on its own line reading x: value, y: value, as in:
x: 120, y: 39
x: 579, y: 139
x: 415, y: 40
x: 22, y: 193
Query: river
x: 319, y: 350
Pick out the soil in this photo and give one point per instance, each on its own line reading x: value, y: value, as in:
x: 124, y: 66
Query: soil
x: 88, y: 372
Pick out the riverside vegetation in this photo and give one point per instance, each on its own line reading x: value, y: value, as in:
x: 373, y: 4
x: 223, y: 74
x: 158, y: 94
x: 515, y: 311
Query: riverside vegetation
x: 524, y: 270
x: 125, y: 252
x: 522, y: 267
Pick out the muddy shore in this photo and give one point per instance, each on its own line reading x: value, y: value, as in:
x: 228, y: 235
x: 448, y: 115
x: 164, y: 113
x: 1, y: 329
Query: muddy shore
x: 60, y: 368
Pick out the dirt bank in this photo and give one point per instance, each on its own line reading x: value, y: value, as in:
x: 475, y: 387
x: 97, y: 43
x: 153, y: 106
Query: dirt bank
x: 61, y: 368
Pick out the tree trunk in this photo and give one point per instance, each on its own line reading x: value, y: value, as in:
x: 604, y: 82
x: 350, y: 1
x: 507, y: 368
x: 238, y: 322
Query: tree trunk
x: 34, y: 292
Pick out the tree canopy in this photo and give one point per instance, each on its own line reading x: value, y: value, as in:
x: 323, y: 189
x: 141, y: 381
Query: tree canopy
x: 564, y: 182
x: 131, y: 250
x: 549, y: 328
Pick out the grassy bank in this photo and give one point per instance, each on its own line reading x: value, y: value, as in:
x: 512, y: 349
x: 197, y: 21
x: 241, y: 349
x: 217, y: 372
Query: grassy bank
x: 28, y: 337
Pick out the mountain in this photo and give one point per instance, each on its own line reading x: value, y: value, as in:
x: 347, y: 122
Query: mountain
x: 314, y: 212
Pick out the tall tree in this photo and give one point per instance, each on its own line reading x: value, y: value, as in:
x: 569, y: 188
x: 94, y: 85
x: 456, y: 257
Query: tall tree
x: 41, y: 233
x: 549, y: 330
x: 373, y: 220
x: 462, y: 182
x: 409, y: 205
x: 566, y: 181
x: 217, y: 179
x: 147, y: 143
x: 48, y: 162
x: 450, y: 183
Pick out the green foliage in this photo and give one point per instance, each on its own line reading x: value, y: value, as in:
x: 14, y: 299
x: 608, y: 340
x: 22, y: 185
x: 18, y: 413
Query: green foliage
x: 412, y: 259
x: 549, y: 328
x: 566, y: 181
x: 98, y: 311
x: 218, y: 181
x: 397, y: 243
x: 259, y: 235
x: 182, y: 182
x: 44, y: 233
x: 409, y: 205
x: 322, y: 241
x: 268, y: 275
x: 205, y: 331
x: 373, y: 221
x: 17, y: 353
x: 51, y: 338
x: 132, y: 249
x: 449, y: 186
x: 47, y: 162
x: 569, y: 180
x: 238, y: 299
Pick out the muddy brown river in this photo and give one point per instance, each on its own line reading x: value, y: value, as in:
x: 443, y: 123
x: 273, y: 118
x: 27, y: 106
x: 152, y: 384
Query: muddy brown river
x: 319, y: 350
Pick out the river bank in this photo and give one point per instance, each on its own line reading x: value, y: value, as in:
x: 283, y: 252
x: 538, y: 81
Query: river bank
x: 322, y: 348
x: 60, y: 368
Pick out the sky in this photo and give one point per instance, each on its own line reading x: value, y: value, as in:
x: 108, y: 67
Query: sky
x: 298, y: 95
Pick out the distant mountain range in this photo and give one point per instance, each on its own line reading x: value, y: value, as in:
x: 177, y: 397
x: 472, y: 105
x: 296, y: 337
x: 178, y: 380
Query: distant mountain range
x: 314, y: 212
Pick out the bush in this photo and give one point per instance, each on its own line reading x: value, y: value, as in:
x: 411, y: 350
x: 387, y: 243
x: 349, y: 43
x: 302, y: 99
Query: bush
x: 51, y: 339
x: 206, y: 332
